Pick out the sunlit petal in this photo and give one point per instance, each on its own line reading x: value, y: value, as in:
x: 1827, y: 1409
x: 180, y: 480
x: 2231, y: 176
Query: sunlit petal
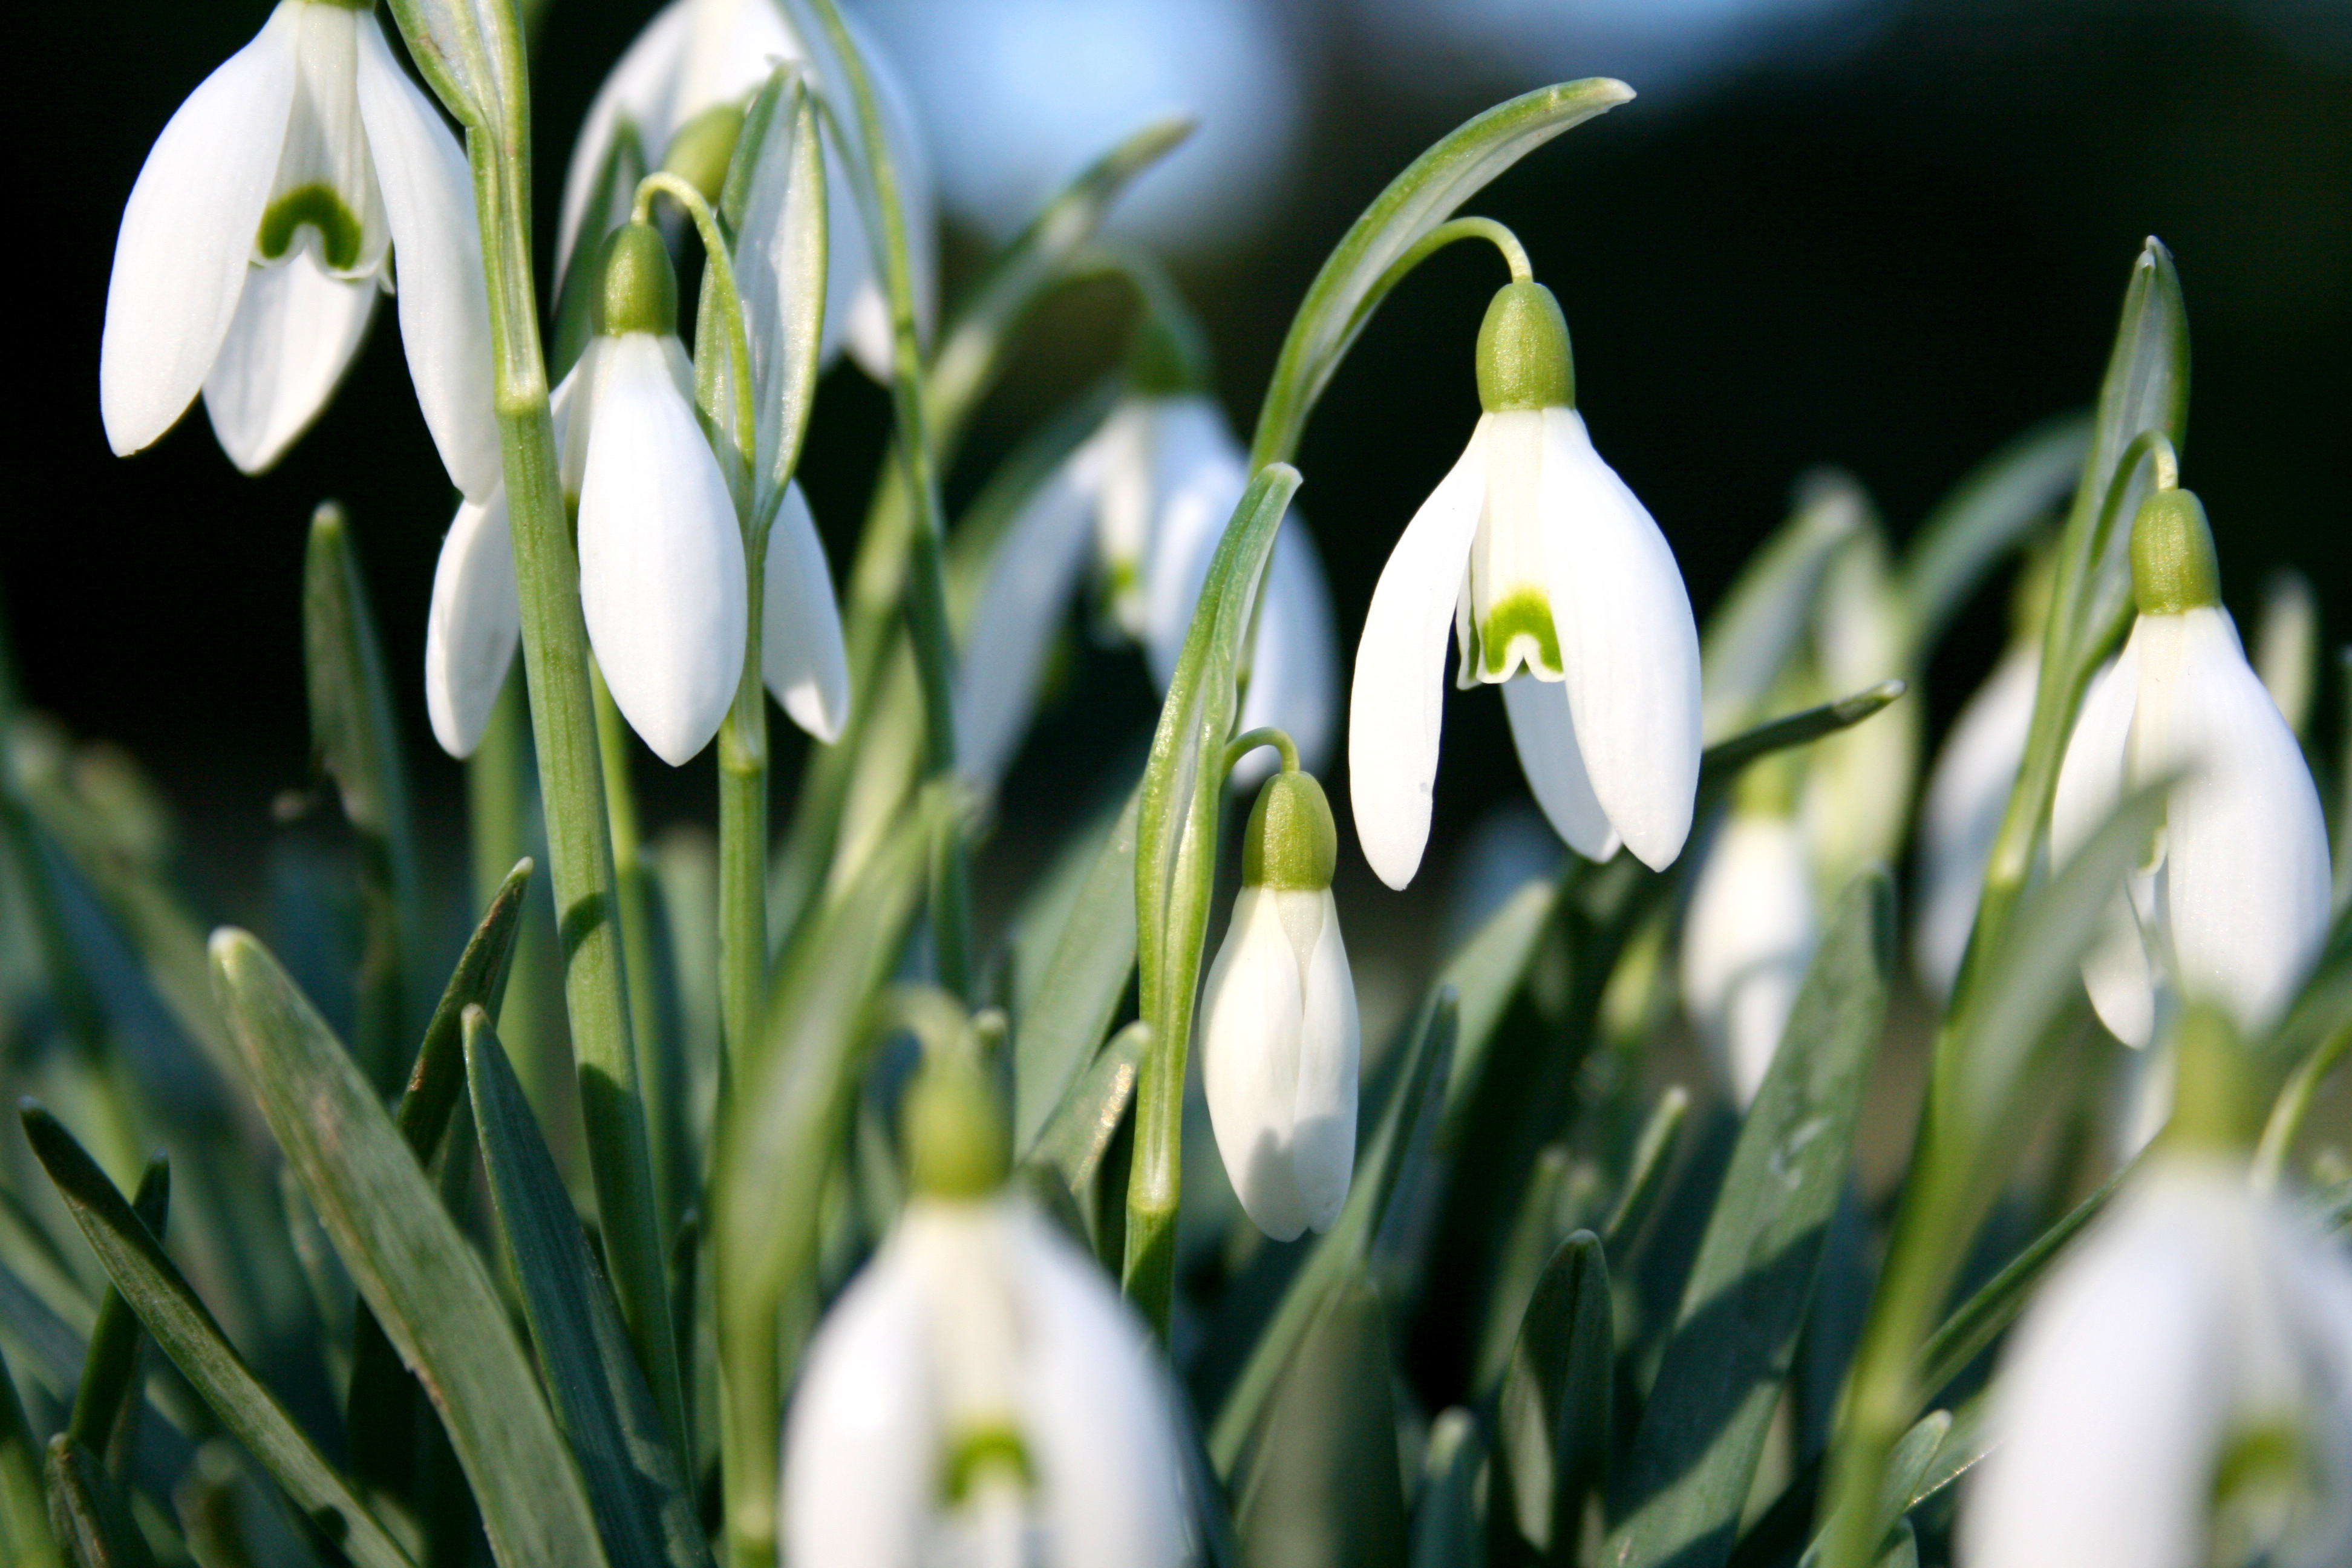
x: 861, y: 1447
x: 801, y: 653
x: 473, y: 624
x: 1746, y: 940
x: 297, y: 330
x: 1251, y: 1014
x: 1961, y: 814
x: 1543, y: 730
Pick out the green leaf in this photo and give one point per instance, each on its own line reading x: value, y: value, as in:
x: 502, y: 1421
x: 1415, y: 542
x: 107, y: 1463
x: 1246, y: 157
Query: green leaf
x: 1721, y: 763
x: 1646, y: 1173
x: 355, y: 731
x: 1079, y: 991
x: 601, y: 1403
x: 1762, y: 620
x: 1323, y: 1488
x: 1486, y: 974
x: 416, y: 1272
x: 110, y: 1382
x: 1075, y: 1137
x: 185, y: 1328
x: 1694, y: 1458
x: 1936, y: 1452
x: 1984, y: 516
x: 88, y: 1513
x: 24, y: 1535
x: 1445, y: 1516
x: 1430, y: 190
x: 1552, y: 1420
x: 52, y: 1348
x: 480, y: 980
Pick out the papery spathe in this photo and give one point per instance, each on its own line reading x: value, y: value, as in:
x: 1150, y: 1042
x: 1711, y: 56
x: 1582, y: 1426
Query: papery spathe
x: 270, y: 214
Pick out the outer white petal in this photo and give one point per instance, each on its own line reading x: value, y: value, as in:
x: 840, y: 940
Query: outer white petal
x: 1397, y: 701
x: 2090, y: 787
x: 1095, y: 1409
x: 445, y: 313
x: 472, y: 628
x: 1966, y: 796
x: 862, y: 1447
x: 1331, y: 1051
x: 1196, y: 472
x: 1543, y: 731
x: 801, y: 654
x: 661, y: 558
x: 2246, y: 868
x: 641, y: 88
x: 1251, y: 1014
x: 1627, y: 644
x: 1746, y: 940
x: 1030, y: 580
x: 181, y: 259
x: 1294, y: 677
x: 296, y: 332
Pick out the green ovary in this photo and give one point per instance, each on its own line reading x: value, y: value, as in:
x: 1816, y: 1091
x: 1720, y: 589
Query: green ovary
x: 314, y: 206
x: 1524, y: 615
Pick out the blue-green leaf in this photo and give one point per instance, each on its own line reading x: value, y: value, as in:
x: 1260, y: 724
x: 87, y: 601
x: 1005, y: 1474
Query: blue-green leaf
x: 1552, y: 1420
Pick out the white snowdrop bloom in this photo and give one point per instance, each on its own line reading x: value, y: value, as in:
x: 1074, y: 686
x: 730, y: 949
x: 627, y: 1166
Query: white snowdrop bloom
x: 1280, y: 1043
x: 473, y: 625
x: 1547, y: 568
x: 1967, y: 793
x: 1147, y: 496
x: 980, y: 1393
x: 700, y: 56
x: 2178, y: 1393
x: 276, y: 206
x: 2231, y: 904
x: 1746, y: 940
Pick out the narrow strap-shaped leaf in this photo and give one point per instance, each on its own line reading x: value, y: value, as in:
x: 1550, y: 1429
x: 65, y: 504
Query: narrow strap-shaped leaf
x: 1446, y: 1515
x: 1646, y: 1173
x: 87, y: 1512
x: 416, y: 1272
x: 354, y: 729
x: 1552, y: 1421
x: 1485, y: 974
x: 1080, y: 1130
x: 1080, y: 990
x: 1940, y: 1447
x: 1721, y: 763
x: 24, y: 1535
x: 109, y: 1374
x: 1694, y: 1455
x: 480, y: 980
x: 634, y: 1482
x: 1984, y: 516
x: 1431, y: 190
x: 185, y: 1330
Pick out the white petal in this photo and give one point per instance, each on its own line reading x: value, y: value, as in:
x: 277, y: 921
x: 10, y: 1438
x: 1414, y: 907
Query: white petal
x: 1543, y: 730
x: 472, y: 628
x: 1293, y: 675
x: 296, y: 332
x: 1627, y: 644
x: 640, y: 89
x: 1031, y: 577
x: 1397, y: 700
x: 862, y: 1448
x: 1196, y: 472
x: 181, y: 257
x: 1747, y: 939
x: 1095, y: 1409
x: 2115, y: 970
x: 801, y: 654
x: 661, y: 558
x: 445, y: 313
x: 1251, y: 1014
x: 1330, y: 1051
x: 1967, y: 795
x: 2246, y: 868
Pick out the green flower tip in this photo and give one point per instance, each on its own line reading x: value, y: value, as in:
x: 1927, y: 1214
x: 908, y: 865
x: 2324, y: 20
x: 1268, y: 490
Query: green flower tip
x: 2173, y: 564
x: 1523, y: 355
x: 2214, y: 1108
x: 1291, y: 841
x: 704, y: 146
x: 640, y: 291
x: 956, y: 1141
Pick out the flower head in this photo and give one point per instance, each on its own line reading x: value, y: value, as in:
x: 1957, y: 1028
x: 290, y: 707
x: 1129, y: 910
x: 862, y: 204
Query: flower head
x: 1549, y: 570
x: 270, y: 214
x: 1280, y: 1042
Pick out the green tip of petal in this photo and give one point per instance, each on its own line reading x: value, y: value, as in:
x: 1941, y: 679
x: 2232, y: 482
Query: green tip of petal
x: 640, y: 289
x: 1523, y: 354
x: 2173, y: 566
x: 1291, y: 841
x: 956, y: 1146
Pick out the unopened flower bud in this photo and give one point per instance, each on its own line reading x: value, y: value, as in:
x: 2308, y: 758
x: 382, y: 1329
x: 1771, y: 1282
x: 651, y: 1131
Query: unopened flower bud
x: 1291, y: 842
x: 1523, y: 354
x: 956, y: 1141
x: 2173, y: 566
x: 640, y: 288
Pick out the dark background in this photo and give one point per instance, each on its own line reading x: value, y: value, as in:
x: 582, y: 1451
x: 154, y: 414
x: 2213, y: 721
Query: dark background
x: 1890, y: 253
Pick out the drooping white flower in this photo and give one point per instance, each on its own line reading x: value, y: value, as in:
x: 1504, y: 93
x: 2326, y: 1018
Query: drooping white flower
x: 1967, y: 793
x: 2231, y: 905
x: 1150, y: 492
x: 1746, y: 940
x: 2178, y: 1393
x: 1280, y: 1043
x: 274, y: 207
x: 1545, y: 567
x: 696, y: 55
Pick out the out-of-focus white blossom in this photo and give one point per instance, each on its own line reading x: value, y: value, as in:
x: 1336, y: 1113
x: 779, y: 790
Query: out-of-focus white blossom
x: 1967, y: 793
x: 1746, y: 940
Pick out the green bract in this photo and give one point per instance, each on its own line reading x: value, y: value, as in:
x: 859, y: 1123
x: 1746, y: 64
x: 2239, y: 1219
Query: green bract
x: 640, y: 286
x: 1291, y: 841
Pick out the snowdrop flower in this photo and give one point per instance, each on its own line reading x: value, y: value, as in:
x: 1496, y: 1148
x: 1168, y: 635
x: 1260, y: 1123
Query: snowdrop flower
x: 980, y: 1393
x: 2231, y: 904
x: 1549, y: 570
x: 1856, y: 801
x: 1147, y: 496
x: 1280, y: 1043
x: 272, y: 211
x: 2179, y: 1393
x: 707, y: 57
x: 1967, y: 795
x: 1749, y: 933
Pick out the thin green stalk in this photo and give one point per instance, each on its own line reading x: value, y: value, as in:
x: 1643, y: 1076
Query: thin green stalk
x: 2293, y: 1103
x: 634, y: 879
x: 499, y: 802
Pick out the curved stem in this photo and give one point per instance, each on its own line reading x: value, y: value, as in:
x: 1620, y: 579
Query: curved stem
x: 718, y: 268
x: 1249, y: 740
x: 2293, y: 1104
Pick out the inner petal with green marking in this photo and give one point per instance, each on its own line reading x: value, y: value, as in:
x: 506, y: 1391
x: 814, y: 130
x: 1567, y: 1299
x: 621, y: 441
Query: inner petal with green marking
x: 325, y: 193
x: 1509, y: 623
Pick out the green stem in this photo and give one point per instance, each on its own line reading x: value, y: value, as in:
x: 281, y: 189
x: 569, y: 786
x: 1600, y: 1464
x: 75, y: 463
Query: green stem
x: 743, y: 867
x: 1249, y: 740
x: 2293, y: 1104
